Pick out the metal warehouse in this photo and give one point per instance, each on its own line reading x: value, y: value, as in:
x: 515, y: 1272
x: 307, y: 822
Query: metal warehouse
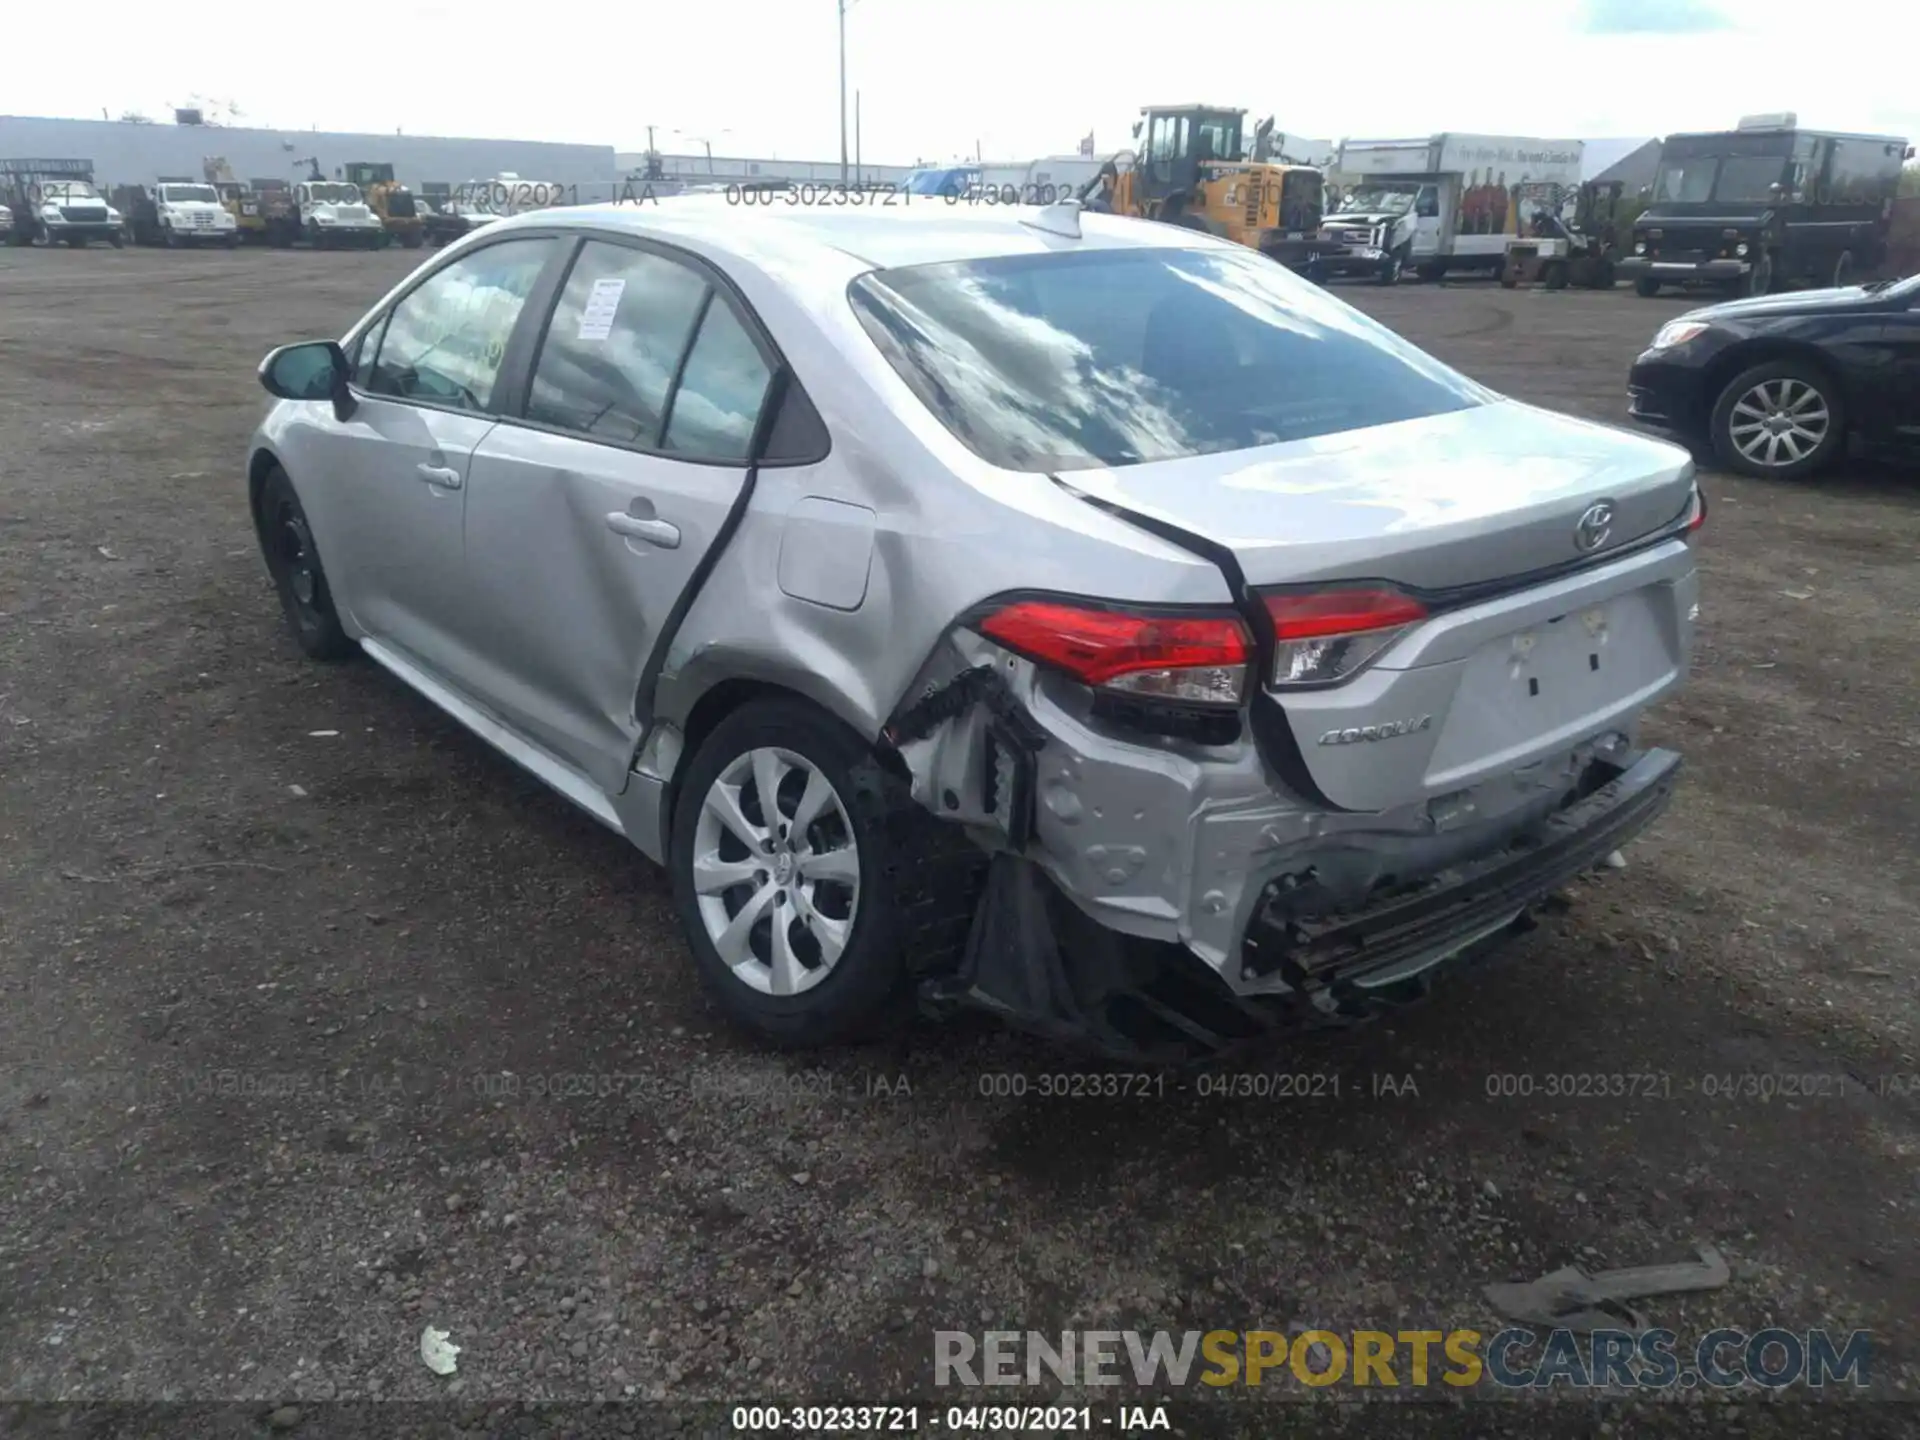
x: 124, y: 153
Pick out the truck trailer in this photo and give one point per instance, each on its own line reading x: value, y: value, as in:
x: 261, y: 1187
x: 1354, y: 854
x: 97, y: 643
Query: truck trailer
x: 1447, y: 202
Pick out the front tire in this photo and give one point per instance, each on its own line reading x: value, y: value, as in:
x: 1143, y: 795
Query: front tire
x: 1780, y: 420
x: 780, y: 864
x: 1646, y: 287
x: 1391, y: 268
x: 286, y: 540
x: 1759, y: 279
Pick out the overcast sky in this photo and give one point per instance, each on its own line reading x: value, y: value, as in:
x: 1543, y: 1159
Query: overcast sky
x: 938, y: 77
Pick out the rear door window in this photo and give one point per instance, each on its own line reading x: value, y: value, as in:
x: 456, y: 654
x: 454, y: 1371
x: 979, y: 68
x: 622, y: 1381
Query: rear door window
x: 722, y: 386
x: 613, y: 349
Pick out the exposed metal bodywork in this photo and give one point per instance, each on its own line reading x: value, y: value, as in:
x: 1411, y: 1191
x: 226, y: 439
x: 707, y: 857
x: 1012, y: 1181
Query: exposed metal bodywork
x: 594, y: 660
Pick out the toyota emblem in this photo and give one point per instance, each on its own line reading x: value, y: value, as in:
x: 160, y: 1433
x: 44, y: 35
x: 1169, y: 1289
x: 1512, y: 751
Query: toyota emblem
x: 1595, y: 525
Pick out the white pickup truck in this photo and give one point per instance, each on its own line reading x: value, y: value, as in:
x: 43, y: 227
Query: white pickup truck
x: 1447, y: 202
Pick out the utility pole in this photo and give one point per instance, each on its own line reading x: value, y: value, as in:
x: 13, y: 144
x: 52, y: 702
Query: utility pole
x: 858, y: 176
x: 843, y: 89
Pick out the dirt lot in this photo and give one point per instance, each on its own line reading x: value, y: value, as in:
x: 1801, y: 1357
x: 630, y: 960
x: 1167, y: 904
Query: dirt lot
x: 319, y: 1022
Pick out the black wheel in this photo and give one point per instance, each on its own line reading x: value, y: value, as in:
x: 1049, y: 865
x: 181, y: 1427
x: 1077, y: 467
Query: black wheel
x: 1843, y: 270
x: 1554, y: 277
x: 1780, y: 419
x: 411, y: 239
x: 1759, y: 280
x: 1391, y: 268
x: 170, y: 237
x: 1646, y: 287
x: 294, y: 562
x: 1431, y: 270
x: 233, y: 241
x: 117, y: 240
x: 784, y: 834
x: 76, y: 242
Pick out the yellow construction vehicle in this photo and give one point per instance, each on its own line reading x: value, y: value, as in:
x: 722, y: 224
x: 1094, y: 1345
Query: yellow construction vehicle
x: 390, y: 200
x: 240, y: 202
x: 1197, y: 168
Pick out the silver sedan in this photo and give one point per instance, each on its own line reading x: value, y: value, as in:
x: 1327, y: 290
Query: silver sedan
x: 1074, y: 617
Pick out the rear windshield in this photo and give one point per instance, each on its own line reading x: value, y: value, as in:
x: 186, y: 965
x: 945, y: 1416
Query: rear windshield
x: 1114, y: 357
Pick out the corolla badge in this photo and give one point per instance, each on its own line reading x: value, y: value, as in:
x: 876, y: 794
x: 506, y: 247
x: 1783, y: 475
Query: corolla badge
x: 1391, y: 729
x: 1595, y: 524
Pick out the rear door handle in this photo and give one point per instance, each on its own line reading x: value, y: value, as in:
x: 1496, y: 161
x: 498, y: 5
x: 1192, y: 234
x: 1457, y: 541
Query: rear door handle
x: 638, y: 527
x: 439, y: 475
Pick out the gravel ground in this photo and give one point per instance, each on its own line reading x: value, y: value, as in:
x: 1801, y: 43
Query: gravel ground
x: 320, y: 1023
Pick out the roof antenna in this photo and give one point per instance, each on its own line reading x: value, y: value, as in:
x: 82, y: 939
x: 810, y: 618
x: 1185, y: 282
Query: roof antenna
x: 1060, y: 218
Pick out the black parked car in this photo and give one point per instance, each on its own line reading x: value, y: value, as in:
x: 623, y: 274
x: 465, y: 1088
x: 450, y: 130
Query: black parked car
x: 1777, y: 384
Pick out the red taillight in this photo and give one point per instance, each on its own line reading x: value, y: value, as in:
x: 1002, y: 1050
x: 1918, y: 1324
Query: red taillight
x: 1340, y: 612
x: 1201, y: 658
x: 1321, y: 636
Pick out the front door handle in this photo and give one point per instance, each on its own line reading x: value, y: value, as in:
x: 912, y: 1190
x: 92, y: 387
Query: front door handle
x: 439, y: 475
x: 637, y: 527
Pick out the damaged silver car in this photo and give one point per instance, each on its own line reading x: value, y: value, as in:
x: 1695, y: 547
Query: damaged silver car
x: 1075, y: 617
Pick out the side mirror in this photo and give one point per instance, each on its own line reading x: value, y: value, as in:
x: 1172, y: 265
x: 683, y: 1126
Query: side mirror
x: 311, y: 370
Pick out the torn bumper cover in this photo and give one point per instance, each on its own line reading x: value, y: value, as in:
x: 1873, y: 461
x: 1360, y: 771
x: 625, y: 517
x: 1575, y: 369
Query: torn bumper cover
x: 1040, y: 963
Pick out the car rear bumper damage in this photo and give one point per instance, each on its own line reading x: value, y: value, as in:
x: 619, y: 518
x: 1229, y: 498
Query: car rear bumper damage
x: 1038, y: 961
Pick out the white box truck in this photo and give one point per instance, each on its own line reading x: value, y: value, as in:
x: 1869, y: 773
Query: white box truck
x: 1448, y: 202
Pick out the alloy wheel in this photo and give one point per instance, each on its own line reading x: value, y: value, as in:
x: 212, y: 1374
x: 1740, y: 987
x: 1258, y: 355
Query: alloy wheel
x: 776, y: 871
x: 1779, y: 422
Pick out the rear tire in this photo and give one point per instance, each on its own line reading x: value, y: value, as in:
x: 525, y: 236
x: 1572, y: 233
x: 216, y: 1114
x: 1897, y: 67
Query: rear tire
x: 829, y: 996
x: 1430, y: 271
x: 1780, y: 420
x: 1646, y: 287
x: 286, y: 541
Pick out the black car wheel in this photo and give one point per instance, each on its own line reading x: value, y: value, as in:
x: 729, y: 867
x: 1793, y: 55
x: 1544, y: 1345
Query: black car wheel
x: 1646, y: 287
x: 1391, y: 268
x: 293, y: 560
x: 1779, y: 419
x: 781, y: 857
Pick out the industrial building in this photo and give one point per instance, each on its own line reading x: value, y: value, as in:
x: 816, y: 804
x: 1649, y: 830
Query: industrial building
x: 126, y: 153
x: 725, y: 168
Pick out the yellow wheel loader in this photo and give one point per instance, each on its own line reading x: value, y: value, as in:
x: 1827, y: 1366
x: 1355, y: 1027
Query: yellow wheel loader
x: 1196, y: 168
x: 390, y: 200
